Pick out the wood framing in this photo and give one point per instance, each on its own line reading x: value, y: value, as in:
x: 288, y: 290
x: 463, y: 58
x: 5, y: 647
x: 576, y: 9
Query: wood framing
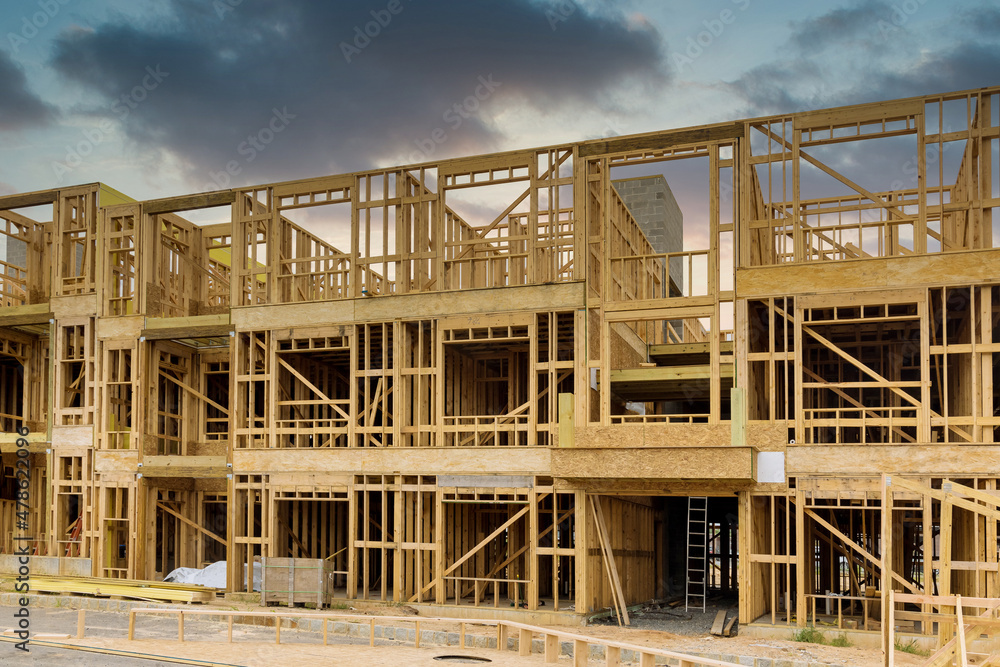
x: 490, y: 383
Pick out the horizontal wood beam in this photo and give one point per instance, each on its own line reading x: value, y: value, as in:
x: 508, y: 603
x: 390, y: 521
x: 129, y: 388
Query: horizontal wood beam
x: 179, y: 333
x: 662, y: 140
x: 29, y: 199
x: 189, y: 202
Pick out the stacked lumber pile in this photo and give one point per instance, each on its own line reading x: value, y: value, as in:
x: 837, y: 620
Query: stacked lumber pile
x: 150, y: 591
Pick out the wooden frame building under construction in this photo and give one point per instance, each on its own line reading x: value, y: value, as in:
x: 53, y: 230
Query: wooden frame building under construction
x: 746, y: 357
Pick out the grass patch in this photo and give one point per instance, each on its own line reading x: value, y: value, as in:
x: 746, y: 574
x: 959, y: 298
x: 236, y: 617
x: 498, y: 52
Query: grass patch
x: 339, y: 605
x: 809, y: 635
x: 911, y: 647
x: 842, y: 640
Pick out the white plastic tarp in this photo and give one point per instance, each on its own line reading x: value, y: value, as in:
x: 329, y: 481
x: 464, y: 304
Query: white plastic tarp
x: 213, y: 576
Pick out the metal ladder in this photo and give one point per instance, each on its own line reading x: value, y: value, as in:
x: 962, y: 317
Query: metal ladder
x: 697, y: 550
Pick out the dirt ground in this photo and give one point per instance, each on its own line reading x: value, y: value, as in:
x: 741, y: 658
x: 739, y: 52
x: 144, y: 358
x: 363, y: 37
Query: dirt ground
x: 660, y: 626
x: 675, y: 629
x: 205, y: 641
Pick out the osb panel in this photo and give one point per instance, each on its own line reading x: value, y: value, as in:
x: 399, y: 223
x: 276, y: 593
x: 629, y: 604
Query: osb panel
x: 212, y: 485
x: 120, y: 327
x: 866, y: 460
x: 767, y: 436
x: 279, y: 479
x: 73, y: 436
x: 291, y: 315
x: 217, y: 448
x: 654, y: 435
x: 81, y: 305
x: 106, y: 461
x: 627, y: 349
x: 672, y: 463
x: 978, y: 266
x: 560, y: 296
x: 116, y: 479
x: 450, y: 460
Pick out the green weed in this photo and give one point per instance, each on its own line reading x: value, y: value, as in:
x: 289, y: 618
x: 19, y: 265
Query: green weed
x: 911, y: 647
x: 809, y: 635
x: 842, y: 640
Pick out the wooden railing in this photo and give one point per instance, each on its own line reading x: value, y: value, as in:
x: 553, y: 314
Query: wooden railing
x: 956, y: 628
x: 661, y: 419
x: 509, y: 635
x: 640, y: 277
x: 840, y: 599
x: 13, y: 285
x: 899, y: 427
x: 486, y: 430
x: 478, y: 587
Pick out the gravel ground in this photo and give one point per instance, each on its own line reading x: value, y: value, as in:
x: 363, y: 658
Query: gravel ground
x: 675, y: 620
x: 688, y: 631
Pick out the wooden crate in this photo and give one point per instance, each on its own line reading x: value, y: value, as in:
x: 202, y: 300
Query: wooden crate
x: 292, y: 581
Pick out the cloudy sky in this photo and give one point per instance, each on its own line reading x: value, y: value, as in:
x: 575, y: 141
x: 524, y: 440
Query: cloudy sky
x: 167, y: 97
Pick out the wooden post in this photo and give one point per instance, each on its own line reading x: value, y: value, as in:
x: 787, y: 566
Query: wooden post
x: 886, y: 567
x: 582, y: 551
x: 180, y: 626
x: 567, y: 420
x: 524, y: 642
x: 581, y: 653
x: 960, y: 631
x: 551, y: 649
x: 890, y: 621
x: 612, y: 656
x: 804, y: 561
x: 945, y: 628
x: 738, y: 409
x: 80, y: 623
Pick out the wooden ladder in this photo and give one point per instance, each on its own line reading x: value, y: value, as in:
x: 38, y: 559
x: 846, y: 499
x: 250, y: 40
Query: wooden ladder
x: 696, y: 588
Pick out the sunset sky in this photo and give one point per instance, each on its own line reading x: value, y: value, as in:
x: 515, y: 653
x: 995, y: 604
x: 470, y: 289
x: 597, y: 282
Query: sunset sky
x: 172, y: 97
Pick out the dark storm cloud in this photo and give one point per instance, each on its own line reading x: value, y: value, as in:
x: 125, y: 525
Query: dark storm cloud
x: 347, y: 99
x: 837, y: 26
x: 865, y: 53
x: 19, y: 107
x: 869, y: 52
x: 984, y: 20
